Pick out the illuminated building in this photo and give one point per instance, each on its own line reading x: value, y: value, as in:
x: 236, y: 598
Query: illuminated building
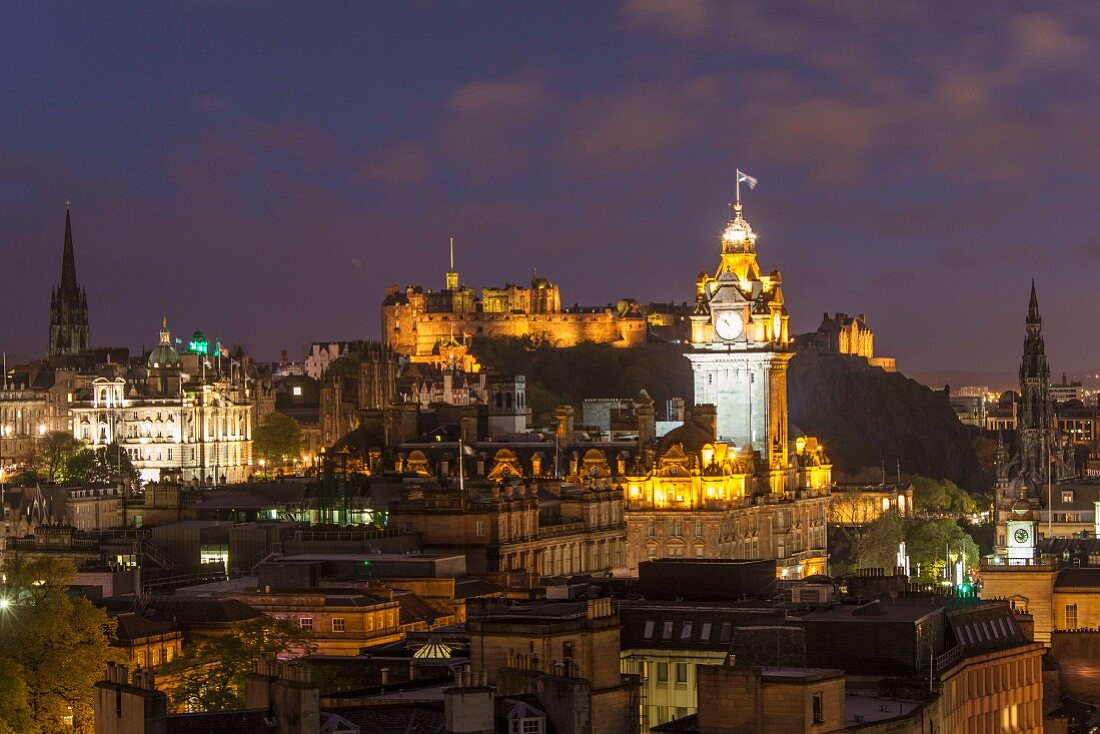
x: 415, y: 321
x: 177, y: 416
x: 731, y: 482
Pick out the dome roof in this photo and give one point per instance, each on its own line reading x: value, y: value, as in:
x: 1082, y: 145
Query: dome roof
x: 165, y: 355
x: 691, y: 435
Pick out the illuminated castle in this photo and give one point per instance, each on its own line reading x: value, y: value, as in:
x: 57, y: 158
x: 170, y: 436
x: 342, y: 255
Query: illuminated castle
x: 415, y: 321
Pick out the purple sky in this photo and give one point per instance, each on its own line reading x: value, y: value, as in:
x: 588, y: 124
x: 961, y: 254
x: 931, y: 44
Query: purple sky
x: 263, y: 171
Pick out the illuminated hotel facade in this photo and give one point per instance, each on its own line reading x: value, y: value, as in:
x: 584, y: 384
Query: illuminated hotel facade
x: 731, y: 482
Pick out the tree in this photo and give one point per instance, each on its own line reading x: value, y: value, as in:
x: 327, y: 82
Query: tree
x: 278, y: 439
x: 930, y: 542
x: 210, y: 675
x: 873, y: 545
x: 104, y: 465
x: 53, y: 453
x: 58, y: 645
x: 940, y: 496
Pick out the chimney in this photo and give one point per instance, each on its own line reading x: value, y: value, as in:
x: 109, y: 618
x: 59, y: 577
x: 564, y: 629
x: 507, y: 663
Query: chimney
x: 468, y: 706
x: 647, y: 422
x: 564, y: 416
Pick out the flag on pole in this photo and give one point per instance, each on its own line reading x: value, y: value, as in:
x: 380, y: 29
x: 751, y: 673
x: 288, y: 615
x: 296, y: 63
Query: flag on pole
x: 746, y: 178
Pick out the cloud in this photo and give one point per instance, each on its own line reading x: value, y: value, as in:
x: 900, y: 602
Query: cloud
x: 678, y: 18
x: 486, y: 121
x: 634, y: 127
x: 498, y: 102
x: 403, y: 164
x: 1040, y: 40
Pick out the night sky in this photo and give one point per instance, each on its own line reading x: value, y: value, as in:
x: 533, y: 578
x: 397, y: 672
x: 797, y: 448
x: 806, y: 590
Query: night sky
x: 263, y: 171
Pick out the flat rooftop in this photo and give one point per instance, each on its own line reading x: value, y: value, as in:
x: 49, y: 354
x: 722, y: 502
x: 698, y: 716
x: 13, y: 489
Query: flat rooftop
x: 865, y: 709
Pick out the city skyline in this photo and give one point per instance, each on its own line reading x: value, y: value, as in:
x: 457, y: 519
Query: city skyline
x: 921, y: 178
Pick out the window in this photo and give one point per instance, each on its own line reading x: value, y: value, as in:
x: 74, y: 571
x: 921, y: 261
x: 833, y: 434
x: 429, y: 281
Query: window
x: 662, y: 672
x: 685, y: 632
x: 567, y: 650
x: 338, y: 624
x: 727, y: 628
x: 681, y: 672
x: 1067, y: 495
x: 698, y: 529
x: 819, y: 709
x: 647, y: 634
x: 704, y: 633
x: 296, y: 390
x: 480, y: 528
x: 1071, y: 616
x: 666, y: 631
x: 306, y: 623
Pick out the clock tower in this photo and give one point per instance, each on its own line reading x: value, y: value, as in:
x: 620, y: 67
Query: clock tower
x: 740, y: 349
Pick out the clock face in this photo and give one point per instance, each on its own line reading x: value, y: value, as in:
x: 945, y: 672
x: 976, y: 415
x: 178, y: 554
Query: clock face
x: 1020, y: 535
x: 728, y: 324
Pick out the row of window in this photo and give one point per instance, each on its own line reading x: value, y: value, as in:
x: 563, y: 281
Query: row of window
x: 687, y: 631
x: 680, y: 670
x: 339, y: 624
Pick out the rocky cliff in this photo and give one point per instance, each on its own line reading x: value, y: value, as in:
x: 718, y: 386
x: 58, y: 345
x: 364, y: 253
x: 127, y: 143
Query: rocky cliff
x: 867, y: 417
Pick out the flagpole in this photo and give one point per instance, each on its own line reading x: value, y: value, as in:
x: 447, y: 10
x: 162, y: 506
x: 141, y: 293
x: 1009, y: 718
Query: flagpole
x: 461, y: 480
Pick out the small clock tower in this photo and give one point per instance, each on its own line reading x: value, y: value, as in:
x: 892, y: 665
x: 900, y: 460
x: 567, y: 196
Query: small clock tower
x: 741, y: 347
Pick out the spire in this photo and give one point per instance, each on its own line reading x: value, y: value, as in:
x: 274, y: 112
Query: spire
x: 68, y: 262
x: 1033, y: 316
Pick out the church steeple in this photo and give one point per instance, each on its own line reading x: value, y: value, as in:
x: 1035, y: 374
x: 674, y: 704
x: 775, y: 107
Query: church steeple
x: 68, y: 261
x: 69, y: 303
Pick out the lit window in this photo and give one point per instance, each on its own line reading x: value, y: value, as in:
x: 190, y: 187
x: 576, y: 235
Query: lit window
x: 480, y: 528
x: 337, y: 624
x: 1071, y: 616
x: 306, y: 623
x: 296, y: 390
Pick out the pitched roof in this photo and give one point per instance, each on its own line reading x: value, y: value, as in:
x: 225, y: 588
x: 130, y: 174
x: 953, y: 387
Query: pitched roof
x: 219, y: 722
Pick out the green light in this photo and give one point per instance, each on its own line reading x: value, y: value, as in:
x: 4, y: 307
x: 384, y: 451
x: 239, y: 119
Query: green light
x: 366, y: 563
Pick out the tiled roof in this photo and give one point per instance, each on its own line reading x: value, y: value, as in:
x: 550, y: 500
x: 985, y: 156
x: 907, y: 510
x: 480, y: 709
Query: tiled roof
x: 219, y: 722
x: 135, y: 627
x: 399, y: 718
x: 199, y: 611
x: 1077, y: 578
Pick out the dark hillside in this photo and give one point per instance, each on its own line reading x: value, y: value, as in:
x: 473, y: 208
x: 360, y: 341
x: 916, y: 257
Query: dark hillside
x: 865, y: 416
